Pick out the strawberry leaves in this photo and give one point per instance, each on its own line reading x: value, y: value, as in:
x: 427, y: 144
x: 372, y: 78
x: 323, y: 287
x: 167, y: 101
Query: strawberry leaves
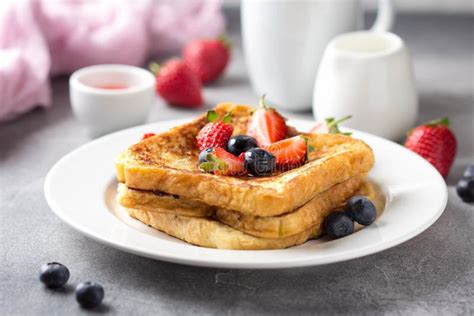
x: 221, y: 162
x: 213, y: 164
x: 333, y: 125
x: 212, y: 116
x: 309, y: 148
x: 442, y: 121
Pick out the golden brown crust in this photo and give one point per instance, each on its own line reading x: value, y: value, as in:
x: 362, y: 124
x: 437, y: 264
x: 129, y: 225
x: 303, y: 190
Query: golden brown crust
x: 212, y: 234
x: 163, y: 203
x: 167, y: 162
x: 312, y: 214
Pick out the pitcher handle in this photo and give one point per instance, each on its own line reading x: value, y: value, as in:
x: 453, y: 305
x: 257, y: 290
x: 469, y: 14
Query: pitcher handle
x: 385, y: 16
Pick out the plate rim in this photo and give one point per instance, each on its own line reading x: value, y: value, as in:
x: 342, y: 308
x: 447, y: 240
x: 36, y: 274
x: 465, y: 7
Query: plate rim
x: 309, y: 261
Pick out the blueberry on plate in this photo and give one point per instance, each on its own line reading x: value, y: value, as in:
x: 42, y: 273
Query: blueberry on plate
x: 465, y: 189
x: 361, y: 210
x: 240, y: 144
x: 89, y: 294
x: 339, y: 224
x: 54, y: 274
x: 203, y: 154
x: 259, y: 162
x: 469, y: 172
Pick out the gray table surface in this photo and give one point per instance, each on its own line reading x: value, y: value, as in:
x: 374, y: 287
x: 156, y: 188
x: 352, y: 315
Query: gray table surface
x: 431, y: 274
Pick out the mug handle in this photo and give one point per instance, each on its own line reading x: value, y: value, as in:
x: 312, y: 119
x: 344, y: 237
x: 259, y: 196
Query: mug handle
x: 385, y: 17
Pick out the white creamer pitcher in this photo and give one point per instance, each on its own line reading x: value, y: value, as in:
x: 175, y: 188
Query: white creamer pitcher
x: 370, y: 76
x: 284, y: 41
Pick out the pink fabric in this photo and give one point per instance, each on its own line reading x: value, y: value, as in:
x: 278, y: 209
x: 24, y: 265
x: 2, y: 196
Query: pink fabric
x: 188, y: 18
x: 24, y: 62
x: 39, y: 38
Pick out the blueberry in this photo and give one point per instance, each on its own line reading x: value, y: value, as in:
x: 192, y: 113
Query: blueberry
x: 203, y: 154
x: 89, y: 294
x: 469, y: 172
x: 259, y: 162
x: 465, y: 189
x: 361, y: 209
x: 54, y: 274
x: 339, y: 224
x: 240, y: 144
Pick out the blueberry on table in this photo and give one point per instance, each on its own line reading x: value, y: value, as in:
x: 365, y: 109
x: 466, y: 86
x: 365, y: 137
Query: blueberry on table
x: 54, y: 274
x: 361, y: 210
x: 259, y: 162
x: 469, y: 172
x: 465, y: 189
x: 240, y: 144
x: 89, y: 294
x: 339, y: 224
x: 203, y: 154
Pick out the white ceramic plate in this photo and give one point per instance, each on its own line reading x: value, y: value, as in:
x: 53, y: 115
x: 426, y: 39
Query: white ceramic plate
x: 80, y: 189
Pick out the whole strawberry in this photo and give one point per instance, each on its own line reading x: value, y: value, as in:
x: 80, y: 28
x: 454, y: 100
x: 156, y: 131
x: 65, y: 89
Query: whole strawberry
x: 435, y: 142
x: 215, y: 133
x: 177, y: 84
x: 207, y: 58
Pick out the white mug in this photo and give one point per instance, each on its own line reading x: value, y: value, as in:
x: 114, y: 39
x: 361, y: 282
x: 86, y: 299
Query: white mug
x: 284, y: 41
x: 370, y: 76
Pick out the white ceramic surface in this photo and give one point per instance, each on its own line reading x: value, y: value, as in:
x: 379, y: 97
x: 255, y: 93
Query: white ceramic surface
x: 106, y: 110
x: 370, y: 76
x: 284, y: 41
x: 80, y: 189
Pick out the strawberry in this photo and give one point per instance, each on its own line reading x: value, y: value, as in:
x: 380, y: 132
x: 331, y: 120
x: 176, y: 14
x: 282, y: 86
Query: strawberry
x: 177, y: 84
x: 435, y: 142
x: 329, y: 126
x: 215, y: 133
x: 289, y: 152
x: 221, y: 162
x: 207, y: 58
x: 147, y: 135
x: 267, y: 125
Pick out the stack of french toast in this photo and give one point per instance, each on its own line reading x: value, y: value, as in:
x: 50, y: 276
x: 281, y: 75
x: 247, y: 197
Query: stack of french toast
x: 162, y: 184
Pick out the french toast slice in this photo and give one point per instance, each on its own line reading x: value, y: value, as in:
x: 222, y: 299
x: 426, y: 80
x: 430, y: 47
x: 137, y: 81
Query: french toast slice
x: 210, y: 233
x: 206, y: 232
x: 168, y: 163
x: 161, y: 202
x: 311, y: 214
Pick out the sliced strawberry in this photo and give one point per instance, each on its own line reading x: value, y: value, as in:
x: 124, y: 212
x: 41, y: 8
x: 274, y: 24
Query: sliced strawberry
x: 289, y: 152
x: 319, y: 128
x: 147, y: 135
x: 267, y: 125
x: 223, y: 163
x: 234, y: 164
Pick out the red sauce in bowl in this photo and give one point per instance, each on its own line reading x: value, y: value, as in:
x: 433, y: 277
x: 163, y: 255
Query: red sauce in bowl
x: 112, y: 86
